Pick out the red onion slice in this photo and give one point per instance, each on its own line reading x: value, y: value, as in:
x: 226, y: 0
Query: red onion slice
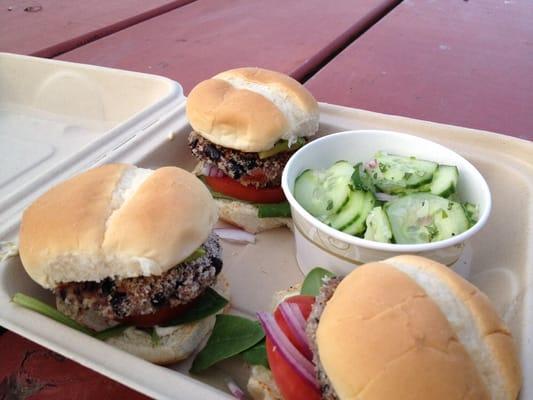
x: 385, y: 197
x: 235, y: 390
x: 296, y: 323
x: 206, y: 167
x: 235, y: 235
x: 298, y: 362
x: 371, y: 164
x: 215, y: 172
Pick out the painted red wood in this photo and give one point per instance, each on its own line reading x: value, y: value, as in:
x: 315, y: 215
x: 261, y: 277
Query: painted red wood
x: 195, y: 42
x: 49, y: 27
x: 29, y: 371
x: 467, y: 63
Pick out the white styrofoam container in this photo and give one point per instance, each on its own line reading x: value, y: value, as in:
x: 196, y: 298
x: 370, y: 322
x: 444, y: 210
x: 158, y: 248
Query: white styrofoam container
x: 500, y: 259
x: 58, y: 118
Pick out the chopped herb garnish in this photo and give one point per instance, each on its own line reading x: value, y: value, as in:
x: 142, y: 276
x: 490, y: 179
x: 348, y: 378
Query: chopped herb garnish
x: 432, y: 231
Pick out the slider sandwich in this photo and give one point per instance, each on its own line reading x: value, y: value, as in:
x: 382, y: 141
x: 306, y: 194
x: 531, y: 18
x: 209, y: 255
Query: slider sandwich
x: 246, y: 124
x: 406, y: 328
x: 125, y: 246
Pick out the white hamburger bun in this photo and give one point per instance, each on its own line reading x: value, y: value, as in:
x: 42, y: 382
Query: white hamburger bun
x: 117, y: 221
x: 411, y: 328
x: 250, y: 109
x: 245, y: 216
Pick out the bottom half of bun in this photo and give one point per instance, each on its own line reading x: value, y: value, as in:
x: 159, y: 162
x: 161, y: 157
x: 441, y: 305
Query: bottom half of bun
x: 245, y: 216
x: 177, y: 344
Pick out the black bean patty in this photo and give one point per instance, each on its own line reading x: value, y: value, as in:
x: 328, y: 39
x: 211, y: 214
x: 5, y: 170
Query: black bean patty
x: 245, y: 167
x: 326, y: 291
x: 116, y: 299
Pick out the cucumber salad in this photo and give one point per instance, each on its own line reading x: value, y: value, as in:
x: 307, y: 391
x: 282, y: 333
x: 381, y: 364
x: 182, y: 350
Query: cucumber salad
x: 390, y: 199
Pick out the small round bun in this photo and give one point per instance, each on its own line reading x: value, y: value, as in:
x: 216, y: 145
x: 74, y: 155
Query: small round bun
x: 176, y: 346
x: 244, y: 215
x: 250, y: 109
x: 410, y: 328
x: 116, y: 220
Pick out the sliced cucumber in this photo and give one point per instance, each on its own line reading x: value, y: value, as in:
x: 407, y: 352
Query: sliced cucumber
x: 361, y: 180
x: 357, y: 227
x: 335, y: 184
x: 309, y: 193
x: 424, y: 217
x: 349, y: 212
x: 394, y: 174
x: 323, y: 193
x: 377, y: 226
x: 450, y: 222
x: 445, y: 180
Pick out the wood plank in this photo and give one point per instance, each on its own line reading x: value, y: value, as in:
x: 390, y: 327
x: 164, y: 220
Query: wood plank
x: 467, y: 63
x: 50, y: 27
x: 195, y: 42
x: 28, y: 370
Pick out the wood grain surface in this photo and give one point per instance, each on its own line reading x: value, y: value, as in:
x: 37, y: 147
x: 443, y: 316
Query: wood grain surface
x: 47, y: 28
x: 467, y: 63
x: 29, y: 371
x: 196, y: 41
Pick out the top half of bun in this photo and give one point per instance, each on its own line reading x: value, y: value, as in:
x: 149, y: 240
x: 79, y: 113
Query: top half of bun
x: 250, y: 109
x: 116, y: 220
x: 410, y: 328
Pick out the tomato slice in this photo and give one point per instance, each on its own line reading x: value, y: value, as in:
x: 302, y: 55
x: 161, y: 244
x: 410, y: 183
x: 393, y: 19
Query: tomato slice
x: 160, y: 317
x: 291, y: 385
x: 233, y: 188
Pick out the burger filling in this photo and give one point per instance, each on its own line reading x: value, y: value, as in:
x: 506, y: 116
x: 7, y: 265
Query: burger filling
x: 248, y: 168
x: 326, y: 291
x: 117, y: 300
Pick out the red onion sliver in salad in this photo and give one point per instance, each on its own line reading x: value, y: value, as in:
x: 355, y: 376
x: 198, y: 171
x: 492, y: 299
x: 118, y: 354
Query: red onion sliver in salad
x: 296, y: 323
x: 299, y: 363
x: 235, y: 390
x: 235, y: 235
x: 385, y: 196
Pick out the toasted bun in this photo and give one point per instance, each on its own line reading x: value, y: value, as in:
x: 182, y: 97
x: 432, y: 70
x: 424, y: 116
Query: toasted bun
x: 410, y: 328
x: 244, y: 215
x: 115, y: 221
x: 250, y: 109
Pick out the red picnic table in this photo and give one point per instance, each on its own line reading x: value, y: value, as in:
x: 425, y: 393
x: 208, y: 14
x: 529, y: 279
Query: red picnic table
x: 467, y: 63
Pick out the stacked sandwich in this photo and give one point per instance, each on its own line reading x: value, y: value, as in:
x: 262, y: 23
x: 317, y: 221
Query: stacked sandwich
x: 406, y: 328
x: 131, y: 247
x: 246, y: 124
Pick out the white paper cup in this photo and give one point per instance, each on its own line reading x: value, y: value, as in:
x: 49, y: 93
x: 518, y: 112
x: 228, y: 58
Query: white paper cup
x: 317, y: 244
